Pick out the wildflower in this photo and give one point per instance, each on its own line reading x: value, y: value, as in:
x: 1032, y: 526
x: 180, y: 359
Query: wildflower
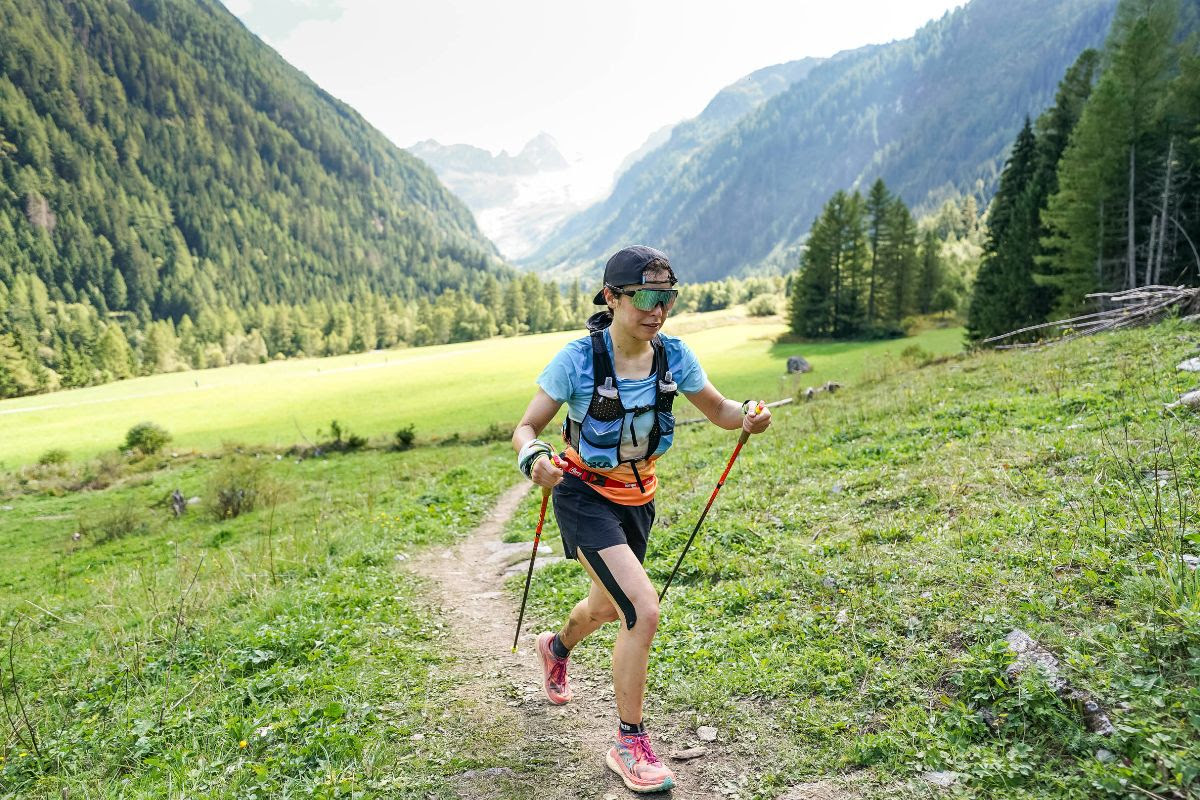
x: 242, y: 744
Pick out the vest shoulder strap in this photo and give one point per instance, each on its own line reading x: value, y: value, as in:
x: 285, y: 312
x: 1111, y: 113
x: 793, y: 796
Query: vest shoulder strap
x: 602, y: 366
x: 660, y: 361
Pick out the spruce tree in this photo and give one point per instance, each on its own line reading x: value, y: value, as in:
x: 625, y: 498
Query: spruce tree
x: 1005, y: 296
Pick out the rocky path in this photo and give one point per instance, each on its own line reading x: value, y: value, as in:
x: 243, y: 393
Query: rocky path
x: 501, y: 691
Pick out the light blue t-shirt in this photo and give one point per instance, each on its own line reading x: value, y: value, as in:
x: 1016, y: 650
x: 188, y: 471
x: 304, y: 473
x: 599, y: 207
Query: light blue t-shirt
x: 568, y: 379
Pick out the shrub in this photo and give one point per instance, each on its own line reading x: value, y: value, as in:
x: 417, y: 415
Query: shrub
x: 915, y: 354
x: 405, y: 437
x: 115, y: 523
x: 238, y: 486
x: 52, y: 457
x: 146, y: 438
x: 343, y: 439
x: 765, y: 305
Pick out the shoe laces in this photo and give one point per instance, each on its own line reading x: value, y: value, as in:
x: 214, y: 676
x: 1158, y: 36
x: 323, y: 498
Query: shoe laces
x: 558, y: 671
x: 642, y: 751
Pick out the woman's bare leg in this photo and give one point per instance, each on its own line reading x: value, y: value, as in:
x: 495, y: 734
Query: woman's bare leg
x: 632, y: 651
x: 587, y: 616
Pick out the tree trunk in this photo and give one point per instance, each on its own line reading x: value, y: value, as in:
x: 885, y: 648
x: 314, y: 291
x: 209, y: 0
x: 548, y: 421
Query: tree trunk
x: 1166, y: 201
x: 1131, y: 243
x: 1150, y: 279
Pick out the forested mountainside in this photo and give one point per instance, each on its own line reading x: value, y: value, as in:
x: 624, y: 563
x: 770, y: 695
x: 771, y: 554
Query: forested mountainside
x: 157, y: 160
x: 932, y: 115
x: 160, y: 163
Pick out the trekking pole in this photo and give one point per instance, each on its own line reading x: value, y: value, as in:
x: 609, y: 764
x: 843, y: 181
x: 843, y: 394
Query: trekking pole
x: 745, y: 437
x: 537, y: 538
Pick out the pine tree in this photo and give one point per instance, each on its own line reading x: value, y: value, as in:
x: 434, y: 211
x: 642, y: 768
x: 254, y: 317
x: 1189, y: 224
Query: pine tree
x: 1005, y: 296
x: 879, y: 200
x: 930, y: 279
x: 1104, y: 204
x: 827, y: 299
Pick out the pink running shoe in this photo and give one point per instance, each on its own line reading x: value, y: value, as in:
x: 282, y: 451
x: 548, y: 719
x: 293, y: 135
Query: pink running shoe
x: 633, y: 759
x: 554, y: 672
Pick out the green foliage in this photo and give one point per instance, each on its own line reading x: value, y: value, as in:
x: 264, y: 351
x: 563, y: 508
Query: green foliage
x: 55, y: 455
x: 862, y: 271
x: 173, y: 195
x: 405, y: 436
x: 291, y: 633
x: 146, y: 438
x: 117, y: 522
x: 1119, y: 215
x: 1005, y: 296
x: 238, y: 486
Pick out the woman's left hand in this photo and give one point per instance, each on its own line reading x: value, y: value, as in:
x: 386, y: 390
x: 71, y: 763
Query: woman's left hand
x: 756, y: 421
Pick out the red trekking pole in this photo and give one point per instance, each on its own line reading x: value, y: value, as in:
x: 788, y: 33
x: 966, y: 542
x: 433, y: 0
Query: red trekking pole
x: 537, y: 538
x: 745, y: 437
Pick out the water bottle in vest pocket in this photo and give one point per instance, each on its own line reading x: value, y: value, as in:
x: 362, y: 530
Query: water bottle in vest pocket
x: 599, y: 440
x: 665, y: 421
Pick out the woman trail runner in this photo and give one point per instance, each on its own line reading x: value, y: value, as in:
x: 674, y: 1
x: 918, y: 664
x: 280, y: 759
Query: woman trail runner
x: 619, y: 383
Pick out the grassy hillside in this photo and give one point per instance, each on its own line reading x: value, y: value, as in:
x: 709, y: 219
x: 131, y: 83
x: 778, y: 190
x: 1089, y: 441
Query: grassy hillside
x: 840, y: 610
x: 844, y: 605
x: 445, y: 390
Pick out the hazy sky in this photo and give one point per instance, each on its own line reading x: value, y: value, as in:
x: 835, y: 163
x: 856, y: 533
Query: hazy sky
x: 598, y: 77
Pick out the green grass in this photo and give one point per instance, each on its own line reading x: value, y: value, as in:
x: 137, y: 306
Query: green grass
x: 935, y: 510
x: 279, y: 653
x: 932, y: 509
x: 461, y: 389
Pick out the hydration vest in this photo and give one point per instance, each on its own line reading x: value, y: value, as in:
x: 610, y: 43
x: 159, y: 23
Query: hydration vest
x: 597, y: 438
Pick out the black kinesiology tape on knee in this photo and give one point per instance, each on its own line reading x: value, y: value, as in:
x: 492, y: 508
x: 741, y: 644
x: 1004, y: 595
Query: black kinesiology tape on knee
x: 610, y: 583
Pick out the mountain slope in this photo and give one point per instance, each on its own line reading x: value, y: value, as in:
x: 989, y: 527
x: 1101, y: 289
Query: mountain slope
x: 932, y: 115
x: 157, y: 158
x: 645, y: 179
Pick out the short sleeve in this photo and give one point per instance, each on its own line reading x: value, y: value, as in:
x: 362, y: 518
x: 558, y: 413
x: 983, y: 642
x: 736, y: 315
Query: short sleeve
x: 688, y: 373
x: 561, y: 375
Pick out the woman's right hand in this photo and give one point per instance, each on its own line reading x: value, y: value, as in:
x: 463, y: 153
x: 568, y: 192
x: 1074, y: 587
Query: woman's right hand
x: 546, y: 472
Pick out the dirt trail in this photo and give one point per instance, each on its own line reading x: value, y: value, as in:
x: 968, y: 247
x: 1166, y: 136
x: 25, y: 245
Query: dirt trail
x: 501, y: 691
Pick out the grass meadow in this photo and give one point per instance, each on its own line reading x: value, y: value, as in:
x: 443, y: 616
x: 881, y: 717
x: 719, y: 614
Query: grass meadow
x: 839, y: 616
x: 460, y: 389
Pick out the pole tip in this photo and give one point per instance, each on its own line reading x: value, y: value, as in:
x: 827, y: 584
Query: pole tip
x: 514, y: 648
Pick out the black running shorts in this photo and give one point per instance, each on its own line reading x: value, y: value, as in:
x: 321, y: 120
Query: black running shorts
x: 589, y: 520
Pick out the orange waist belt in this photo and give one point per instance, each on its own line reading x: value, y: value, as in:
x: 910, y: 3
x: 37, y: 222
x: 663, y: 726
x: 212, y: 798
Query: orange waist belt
x: 595, y: 478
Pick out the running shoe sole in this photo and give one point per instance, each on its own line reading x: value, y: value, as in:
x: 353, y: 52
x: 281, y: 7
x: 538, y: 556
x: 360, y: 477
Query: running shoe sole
x: 616, y: 765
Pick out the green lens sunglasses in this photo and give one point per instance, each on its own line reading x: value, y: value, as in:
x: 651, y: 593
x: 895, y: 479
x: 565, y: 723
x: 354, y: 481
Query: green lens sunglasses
x: 647, y: 299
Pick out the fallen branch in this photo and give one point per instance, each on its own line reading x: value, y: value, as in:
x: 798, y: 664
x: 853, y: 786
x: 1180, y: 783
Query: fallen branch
x: 1130, y: 308
x: 785, y: 401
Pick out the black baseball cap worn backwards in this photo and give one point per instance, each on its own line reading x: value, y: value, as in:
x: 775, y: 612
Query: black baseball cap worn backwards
x: 626, y: 266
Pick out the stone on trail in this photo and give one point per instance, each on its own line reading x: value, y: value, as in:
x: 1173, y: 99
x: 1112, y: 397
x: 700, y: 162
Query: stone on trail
x: 1191, y: 365
x: 1191, y: 399
x: 689, y: 753
x: 1031, y: 654
x: 706, y: 733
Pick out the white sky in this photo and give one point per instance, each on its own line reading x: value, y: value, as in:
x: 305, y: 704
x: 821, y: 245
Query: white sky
x: 597, y: 76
